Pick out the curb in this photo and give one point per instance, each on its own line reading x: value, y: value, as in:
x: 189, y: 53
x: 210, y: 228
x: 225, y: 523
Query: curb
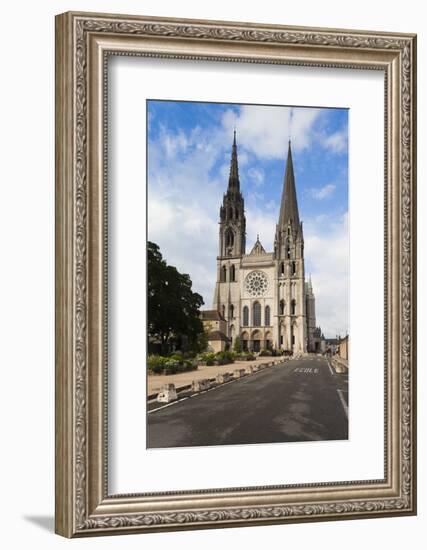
x: 243, y: 374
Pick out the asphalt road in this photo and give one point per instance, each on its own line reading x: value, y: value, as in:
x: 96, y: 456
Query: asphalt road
x: 300, y: 400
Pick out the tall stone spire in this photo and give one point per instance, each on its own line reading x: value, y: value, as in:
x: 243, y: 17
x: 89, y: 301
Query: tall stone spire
x: 232, y: 241
x: 233, y: 180
x: 289, y: 204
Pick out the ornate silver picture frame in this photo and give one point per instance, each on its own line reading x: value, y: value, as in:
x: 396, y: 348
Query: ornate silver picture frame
x: 84, y: 42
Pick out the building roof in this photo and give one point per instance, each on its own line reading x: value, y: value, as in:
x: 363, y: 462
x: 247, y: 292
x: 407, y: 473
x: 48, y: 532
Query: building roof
x: 211, y: 315
x: 217, y: 335
x: 289, y: 205
x: 257, y: 248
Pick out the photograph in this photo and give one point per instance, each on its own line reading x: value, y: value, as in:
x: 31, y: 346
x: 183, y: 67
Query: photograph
x: 247, y: 274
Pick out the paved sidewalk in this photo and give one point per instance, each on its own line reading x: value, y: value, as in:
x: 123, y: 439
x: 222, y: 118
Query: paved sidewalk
x: 155, y: 381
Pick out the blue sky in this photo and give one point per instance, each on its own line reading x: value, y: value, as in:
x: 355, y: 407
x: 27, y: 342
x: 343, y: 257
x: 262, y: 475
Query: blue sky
x: 189, y: 146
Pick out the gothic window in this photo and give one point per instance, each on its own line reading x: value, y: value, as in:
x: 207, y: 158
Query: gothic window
x: 267, y: 316
x: 232, y: 273
x: 229, y: 238
x: 237, y: 214
x: 223, y: 311
x: 223, y: 274
x: 282, y: 307
x: 231, y: 312
x: 256, y: 284
x: 288, y: 252
x: 282, y: 268
x: 293, y: 307
x: 245, y: 316
x: 256, y: 314
x: 294, y: 268
x: 230, y: 213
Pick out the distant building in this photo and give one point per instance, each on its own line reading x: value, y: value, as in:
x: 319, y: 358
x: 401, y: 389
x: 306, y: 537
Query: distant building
x: 319, y: 342
x: 343, y: 348
x: 331, y: 345
x: 216, y: 327
x: 264, y: 297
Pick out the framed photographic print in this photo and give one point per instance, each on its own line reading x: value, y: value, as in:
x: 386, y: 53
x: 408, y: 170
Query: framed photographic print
x: 235, y: 274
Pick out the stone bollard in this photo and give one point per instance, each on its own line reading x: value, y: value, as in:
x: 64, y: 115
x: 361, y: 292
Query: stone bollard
x: 238, y: 373
x: 200, y: 385
x: 167, y: 393
x: 223, y: 377
x: 249, y: 369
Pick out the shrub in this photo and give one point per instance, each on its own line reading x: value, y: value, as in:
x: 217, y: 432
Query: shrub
x: 190, y: 365
x: 237, y: 346
x: 156, y: 363
x: 171, y: 366
x: 176, y: 356
x: 208, y: 358
x: 224, y: 357
x: 246, y: 356
x: 265, y: 353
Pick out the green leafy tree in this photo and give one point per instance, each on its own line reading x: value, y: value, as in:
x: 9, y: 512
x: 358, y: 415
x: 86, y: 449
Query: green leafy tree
x: 237, y: 346
x: 173, y: 308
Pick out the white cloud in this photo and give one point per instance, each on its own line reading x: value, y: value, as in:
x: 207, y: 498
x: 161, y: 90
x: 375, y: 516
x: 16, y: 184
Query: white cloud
x: 265, y: 130
x: 260, y: 221
x: 336, y: 142
x: 256, y: 175
x: 327, y: 259
x: 322, y: 192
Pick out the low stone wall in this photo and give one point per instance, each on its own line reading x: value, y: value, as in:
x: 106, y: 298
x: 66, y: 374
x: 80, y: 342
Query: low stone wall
x: 339, y: 365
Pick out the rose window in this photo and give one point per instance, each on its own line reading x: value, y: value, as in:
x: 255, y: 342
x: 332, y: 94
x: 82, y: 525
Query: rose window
x: 256, y: 283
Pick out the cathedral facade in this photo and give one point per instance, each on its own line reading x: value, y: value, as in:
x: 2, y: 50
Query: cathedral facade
x: 264, y: 297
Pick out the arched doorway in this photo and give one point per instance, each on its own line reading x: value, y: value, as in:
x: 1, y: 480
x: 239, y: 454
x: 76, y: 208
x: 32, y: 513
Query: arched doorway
x: 268, y: 342
x: 256, y: 341
x: 245, y: 341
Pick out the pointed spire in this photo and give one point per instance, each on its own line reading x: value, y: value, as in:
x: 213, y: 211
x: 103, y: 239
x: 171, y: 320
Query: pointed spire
x: 310, y: 285
x: 233, y: 181
x: 258, y: 248
x: 289, y: 204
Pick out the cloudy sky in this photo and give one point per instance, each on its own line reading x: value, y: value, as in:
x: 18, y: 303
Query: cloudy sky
x: 189, y: 147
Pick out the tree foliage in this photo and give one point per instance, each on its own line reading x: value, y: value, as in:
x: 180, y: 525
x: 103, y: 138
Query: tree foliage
x: 237, y: 347
x: 173, y: 308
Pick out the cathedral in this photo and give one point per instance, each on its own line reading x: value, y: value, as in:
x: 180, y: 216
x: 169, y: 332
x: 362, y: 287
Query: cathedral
x: 263, y: 297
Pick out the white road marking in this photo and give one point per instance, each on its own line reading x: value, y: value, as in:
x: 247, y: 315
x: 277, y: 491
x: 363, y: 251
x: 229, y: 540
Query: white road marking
x: 167, y: 405
x: 330, y: 368
x: 343, y: 403
x: 306, y: 370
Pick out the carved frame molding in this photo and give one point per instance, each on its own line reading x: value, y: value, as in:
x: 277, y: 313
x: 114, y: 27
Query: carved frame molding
x: 83, y: 43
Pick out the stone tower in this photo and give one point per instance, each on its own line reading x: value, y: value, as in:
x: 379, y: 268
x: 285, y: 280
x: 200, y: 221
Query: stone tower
x: 232, y: 246
x: 232, y: 222
x: 311, y: 316
x: 289, y: 256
